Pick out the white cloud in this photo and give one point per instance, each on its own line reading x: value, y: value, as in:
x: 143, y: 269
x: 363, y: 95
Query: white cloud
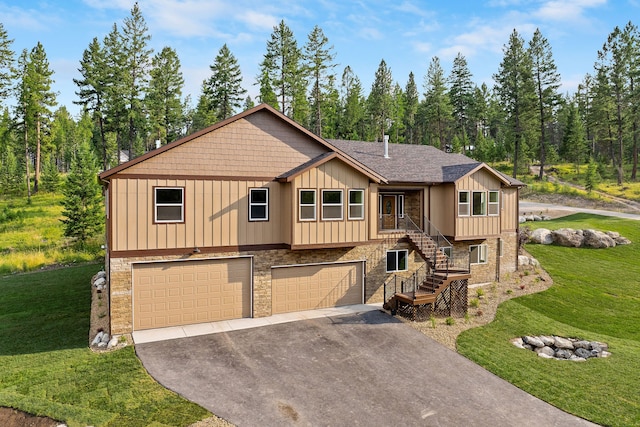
x: 29, y: 19
x: 258, y: 20
x: 566, y: 11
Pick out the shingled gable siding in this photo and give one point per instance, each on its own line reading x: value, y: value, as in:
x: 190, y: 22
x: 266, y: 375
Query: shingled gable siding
x: 258, y: 145
x: 333, y: 175
x: 374, y: 254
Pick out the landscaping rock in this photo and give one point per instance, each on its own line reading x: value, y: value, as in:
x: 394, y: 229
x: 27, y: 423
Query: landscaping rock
x: 548, y: 341
x: 563, y: 353
x: 112, y: 342
x: 523, y: 260
x: 533, y: 341
x: 568, y: 237
x: 98, y: 338
x: 582, y: 352
x: 542, y: 236
x: 518, y: 342
x: 563, y: 343
x: 597, y: 239
x: 545, y: 350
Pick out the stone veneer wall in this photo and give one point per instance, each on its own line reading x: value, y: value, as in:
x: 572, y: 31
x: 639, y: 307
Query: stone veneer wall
x: 483, y: 273
x: 374, y: 254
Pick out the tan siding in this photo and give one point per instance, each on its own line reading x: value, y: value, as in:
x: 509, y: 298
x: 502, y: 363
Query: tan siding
x: 216, y: 214
x: 257, y: 146
x: 331, y: 175
x: 469, y: 227
x: 509, y: 211
x: 442, y: 208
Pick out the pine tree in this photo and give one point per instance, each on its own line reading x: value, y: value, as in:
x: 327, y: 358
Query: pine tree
x: 438, y: 110
x: 411, y: 103
x: 352, y: 107
x: 223, y: 91
x: 115, y: 110
x: 379, y: 102
x: 461, y: 92
x: 319, y: 57
x: 592, y: 177
x: 50, y: 175
x: 164, y: 97
x: 514, y: 85
x: 6, y: 64
x: 82, y: 204
x: 574, y: 145
x: 281, y: 72
x: 547, y: 81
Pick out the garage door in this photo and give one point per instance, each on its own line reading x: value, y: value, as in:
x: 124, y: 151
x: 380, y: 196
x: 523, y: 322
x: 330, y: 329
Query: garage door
x: 185, y: 292
x: 308, y: 287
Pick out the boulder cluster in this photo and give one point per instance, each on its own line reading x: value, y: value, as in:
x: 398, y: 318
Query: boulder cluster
x: 103, y: 341
x: 553, y: 347
x: 532, y: 217
x: 99, y: 281
x: 569, y: 237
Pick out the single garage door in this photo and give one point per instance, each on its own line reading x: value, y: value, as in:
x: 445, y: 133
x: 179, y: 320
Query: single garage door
x: 185, y: 292
x: 307, y: 287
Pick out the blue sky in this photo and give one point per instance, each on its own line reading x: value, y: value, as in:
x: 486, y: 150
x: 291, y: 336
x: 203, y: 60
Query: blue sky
x: 406, y: 34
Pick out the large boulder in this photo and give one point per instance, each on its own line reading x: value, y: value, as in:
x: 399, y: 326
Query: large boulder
x: 567, y: 237
x: 620, y: 240
x: 597, y: 239
x: 542, y: 236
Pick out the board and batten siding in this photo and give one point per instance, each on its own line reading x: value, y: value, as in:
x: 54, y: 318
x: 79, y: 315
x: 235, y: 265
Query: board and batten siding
x: 477, y: 226
x: 216, y: 213
x: 442, y: 208
x: 332, y: 175
x: 509, y: 209
x: 255, y: 146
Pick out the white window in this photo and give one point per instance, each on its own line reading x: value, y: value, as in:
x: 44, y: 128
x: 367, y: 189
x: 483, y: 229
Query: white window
x: 258, y: 204
x: 463, y: 203
x: 494, y: 203
x: 307, y: 200
x: 331, y: 204
x: 356, y: 204
x: 479, y: 203
x: 397, y: 260
x: 447, y: 250
x: 169, y: 204
x: 478, y: 254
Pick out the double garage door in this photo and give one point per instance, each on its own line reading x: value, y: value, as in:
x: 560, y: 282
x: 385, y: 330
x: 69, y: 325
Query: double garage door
x: 187, y: 292
x: 307, y: 287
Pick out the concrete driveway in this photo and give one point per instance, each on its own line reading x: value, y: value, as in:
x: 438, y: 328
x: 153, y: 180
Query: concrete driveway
x: 365, y: 369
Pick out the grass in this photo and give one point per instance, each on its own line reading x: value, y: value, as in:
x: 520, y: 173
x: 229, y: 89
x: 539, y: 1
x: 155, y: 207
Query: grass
x: 48, y: 369
x: 595, y: 296
x: 31, y: 235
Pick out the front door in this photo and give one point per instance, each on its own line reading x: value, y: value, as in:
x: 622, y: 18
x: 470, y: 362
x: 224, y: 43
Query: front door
x: 389, y: 218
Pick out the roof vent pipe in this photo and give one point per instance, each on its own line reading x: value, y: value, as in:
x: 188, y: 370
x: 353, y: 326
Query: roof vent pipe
x: 386, y: 146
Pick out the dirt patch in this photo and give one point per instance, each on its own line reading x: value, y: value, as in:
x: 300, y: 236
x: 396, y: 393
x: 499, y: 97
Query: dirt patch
x: 527, y: 280
x: 10, y: 417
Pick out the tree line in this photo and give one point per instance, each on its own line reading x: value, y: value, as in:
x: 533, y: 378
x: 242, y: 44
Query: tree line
x: 132, y: 101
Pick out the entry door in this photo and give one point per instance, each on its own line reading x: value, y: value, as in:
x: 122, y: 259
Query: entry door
x: 389, y: 217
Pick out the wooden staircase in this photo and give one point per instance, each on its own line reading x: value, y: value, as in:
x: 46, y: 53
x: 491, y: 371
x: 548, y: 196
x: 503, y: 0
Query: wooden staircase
x: 428, y: 250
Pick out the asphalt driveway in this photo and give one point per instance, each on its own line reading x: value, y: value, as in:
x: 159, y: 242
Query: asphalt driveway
x: 364, y: 369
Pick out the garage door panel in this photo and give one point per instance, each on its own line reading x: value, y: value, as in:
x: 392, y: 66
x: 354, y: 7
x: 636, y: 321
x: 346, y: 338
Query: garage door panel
x: 184, y: 292
x: 310, y: 287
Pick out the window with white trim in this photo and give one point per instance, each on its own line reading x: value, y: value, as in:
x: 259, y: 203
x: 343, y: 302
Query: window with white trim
x: 356, y: 204
x: 168, y: 204
x: 397, y: 260
x: 463, y: 203
x: 258, y: 204
x: 494, y: 203
x: 307, y: 208
x: 332, y: 204
x: 478, y: 254
x: 479, y: 200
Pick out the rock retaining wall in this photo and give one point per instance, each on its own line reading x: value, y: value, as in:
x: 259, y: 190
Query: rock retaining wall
x: 554, y: 347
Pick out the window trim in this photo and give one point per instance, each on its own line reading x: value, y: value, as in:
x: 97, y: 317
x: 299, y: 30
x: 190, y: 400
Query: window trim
x: 301, y: 205
x: 350, y: 205
x: 156, y: 205
x: 265, y: 204
x: 482, y: 254
x: 467, y: 203
x: 495, y: 204
x: 341, y: 204
x: 483, y: 203
x: 397, y: 251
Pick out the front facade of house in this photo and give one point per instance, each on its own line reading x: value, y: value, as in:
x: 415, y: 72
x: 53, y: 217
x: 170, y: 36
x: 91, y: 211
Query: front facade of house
x: 256, y: 216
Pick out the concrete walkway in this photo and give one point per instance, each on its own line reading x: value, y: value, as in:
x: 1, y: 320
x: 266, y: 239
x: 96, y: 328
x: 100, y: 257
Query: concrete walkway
x: 161, y: 334
x: 535, y: 207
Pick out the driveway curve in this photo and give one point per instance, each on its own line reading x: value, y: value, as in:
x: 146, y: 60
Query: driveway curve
x: 526, y: 206
x: 364, y: 369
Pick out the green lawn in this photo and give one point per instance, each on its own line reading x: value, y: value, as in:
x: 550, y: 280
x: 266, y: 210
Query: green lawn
x: 31, y: 235
x: 595, y: 296
x: 47, y: 368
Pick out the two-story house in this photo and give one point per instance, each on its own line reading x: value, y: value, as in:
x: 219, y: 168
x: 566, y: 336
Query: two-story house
x: 256, y: 215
